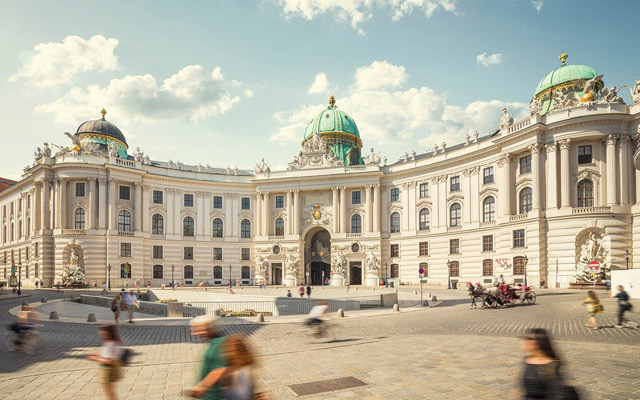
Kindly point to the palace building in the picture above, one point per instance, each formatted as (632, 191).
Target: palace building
(523, 201)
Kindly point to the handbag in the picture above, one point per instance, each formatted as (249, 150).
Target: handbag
(599, 308)
(114, 307)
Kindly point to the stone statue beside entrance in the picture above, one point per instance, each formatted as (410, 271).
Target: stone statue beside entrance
(593, 264)
(338, 264)
(372, 265)
(291, 270)
(261, 269)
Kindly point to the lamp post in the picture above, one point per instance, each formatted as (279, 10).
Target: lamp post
(173, 281)
(109, 276)
(626, 257)
(386, 267)
(12, 278)
(448, 274)
(526, 261)
(229, 276)
(19, 277)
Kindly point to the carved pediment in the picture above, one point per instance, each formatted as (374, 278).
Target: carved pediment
(586, 174)
(316, 154)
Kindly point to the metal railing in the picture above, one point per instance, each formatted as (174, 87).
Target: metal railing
(277, 307)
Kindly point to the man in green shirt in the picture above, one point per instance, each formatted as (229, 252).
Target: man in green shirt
(214, 364)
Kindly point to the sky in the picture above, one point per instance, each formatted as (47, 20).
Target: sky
(227, 83)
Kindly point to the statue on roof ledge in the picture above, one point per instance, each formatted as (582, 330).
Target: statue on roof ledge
(611, 95)
(635, 92)
(261, 167)
(372, 158)
(506, 120)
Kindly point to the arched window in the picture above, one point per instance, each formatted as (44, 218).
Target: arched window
(246, 272)
(585, 193)
(525, 200)
(518, 265)
(218, 226)
(356, 223)
(455, 215)
(279, 227)
(12, 230)
(425, 267)
(188, 272)
(424, 219)
(158, 272)
(489, 209)
(79, 218)
(245, 229)
(395, 222)
(217, 272)
(124, 221)
(157, 224)
(395, 271)
(455, 268)
(188, 227)
(487, 267)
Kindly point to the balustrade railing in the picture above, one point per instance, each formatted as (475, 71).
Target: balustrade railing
(591, 210)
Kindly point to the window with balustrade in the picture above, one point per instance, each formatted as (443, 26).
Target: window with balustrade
(245, 229)
(356, 223)
(394, 222)
(526, 202)
(455, 215)
(157, 224)
(218, 227)
(489, 209)
(424, 219)
(80, 218)
(124, 221)
(279, 227)
(188, 227)
(585, 193)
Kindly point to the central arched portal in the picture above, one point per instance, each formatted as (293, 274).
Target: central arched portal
(317, 256)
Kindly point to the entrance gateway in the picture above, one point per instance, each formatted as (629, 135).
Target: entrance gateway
(317, 257)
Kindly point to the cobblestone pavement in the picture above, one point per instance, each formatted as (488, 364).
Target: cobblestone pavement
(443, 352)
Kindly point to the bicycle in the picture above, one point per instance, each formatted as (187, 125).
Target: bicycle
(29, 342)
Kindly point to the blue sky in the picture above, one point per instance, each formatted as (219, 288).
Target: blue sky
(226, 83)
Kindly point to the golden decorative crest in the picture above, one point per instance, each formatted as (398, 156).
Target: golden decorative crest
(317, 214)
(563, 57)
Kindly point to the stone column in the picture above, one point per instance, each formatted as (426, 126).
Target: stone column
(102, 203)
(57, 208)
(637, 174)
(611, 169)
(504, 188)
(91, 211)
(376, 208)
(44, 205)
(258, 214)
(266, 211)
(296, 212)
(137, 207)
(552, 176)
(624, 169)
(23, 216)
(233, 223)
(112, 204)
(369, 194)
(287, 225)
(565, 186)
(170, 211)
(200, 199)
(475, 193)
(435, 212)
(177, 208)
(145, 208)
(404, 221)
(228, 225)
(443, 215)
(334, 209)
(343, 209)
(207, 227)
(466, 193)
(535, 176)
(36, 211)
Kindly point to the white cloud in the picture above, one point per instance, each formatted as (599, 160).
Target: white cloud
(56, 64)
(537, 4)
(486, 60)
(380, 74)
(248, 93)
(357, 12)
(320, 84)
(402, 117)
(192, 94)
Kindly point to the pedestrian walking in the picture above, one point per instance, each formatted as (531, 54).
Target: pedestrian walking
(623, 305)
(288, 293)
(116, 307)
(593, 307)
(301, 291)
(110, 359)
(37, 283)
(308, 290)
(132, 304)
(542, 377)
(104, 292)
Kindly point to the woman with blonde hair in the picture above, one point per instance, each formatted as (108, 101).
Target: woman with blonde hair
(593, 307)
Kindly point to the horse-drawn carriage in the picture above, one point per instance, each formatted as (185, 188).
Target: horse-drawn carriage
(501, 295)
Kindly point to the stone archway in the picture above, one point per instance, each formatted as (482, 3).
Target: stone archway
(317, 256)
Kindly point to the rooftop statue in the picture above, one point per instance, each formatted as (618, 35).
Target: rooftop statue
(261, 167)
(46, 152)
(506, 120)
(75, 142)
(535, 106)
(635, 91)
(372, 158)
(611, 95)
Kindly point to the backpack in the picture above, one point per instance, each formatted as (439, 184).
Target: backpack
(125, 356)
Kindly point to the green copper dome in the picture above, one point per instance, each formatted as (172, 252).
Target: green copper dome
(566, 73)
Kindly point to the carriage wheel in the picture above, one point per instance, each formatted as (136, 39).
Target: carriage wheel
(531, 298)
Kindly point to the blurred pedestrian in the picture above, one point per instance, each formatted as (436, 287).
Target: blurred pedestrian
(301, 290)
(110, 359)
(542, 378)
(348, 285)
(593, 307)
(116, 307)
(623, 304)
(132, 304)
(214, 364)
(308, 290)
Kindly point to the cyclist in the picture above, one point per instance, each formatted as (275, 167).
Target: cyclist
(315, 318)
(27, 318)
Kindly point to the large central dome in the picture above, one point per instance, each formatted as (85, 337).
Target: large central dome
(339, 131)
(103, 133)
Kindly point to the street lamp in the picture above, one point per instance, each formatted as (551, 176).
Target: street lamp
(173, 281)
(19, 277)
(448, 274)
(386, 267)
(229, 276)
(109, 276)
(626, 257)
(526, 261)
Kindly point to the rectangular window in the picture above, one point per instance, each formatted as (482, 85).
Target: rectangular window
(158, 252)
(217, 253)
(188, 253)
(125, 270)
(356, 197)
(455, 268)
(246, 203)
(158, 199)
(188, 200)
(525, 164)
(395, 250)
(487, 243)
(584, 155)
(487, 268)
(518, 266)
(454, 246)
(454, 183)
(79, 189)
(188, 272)
(424, 248)
(487, 175)
(279, 201)
(424, 190)
(217, 202)
(246, 254)
(157, 272)
(518, 238)
(125, 249)
(395, 194)
(125, 193)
